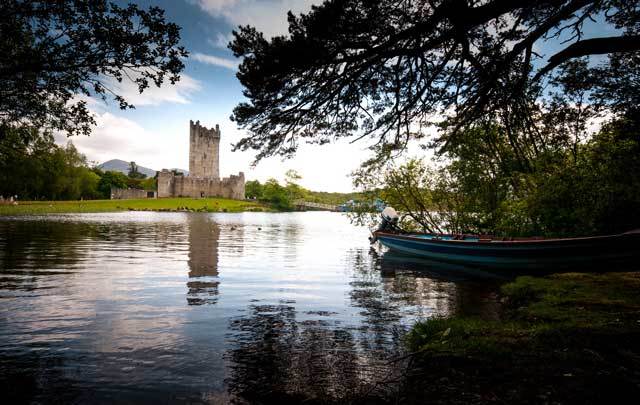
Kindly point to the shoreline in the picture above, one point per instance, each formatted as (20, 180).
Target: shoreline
(562, 338)
(180, 204)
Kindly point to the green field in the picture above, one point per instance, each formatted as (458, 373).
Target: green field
(160, 204)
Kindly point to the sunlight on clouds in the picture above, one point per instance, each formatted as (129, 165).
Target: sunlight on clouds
(116, 137)
(323, 168)
(179, 93)
(221, 40)
(215, 60)
(268, 16)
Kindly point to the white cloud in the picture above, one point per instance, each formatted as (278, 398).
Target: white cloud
(221, 40)
(323, 168)
(215, 60)
(268, 16)
(178, 93)
(116, 137)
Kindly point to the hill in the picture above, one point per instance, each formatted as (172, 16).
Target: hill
(324, 197)
(118, 165)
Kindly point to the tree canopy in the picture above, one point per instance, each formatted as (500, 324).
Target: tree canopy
(40, 169)
(54, 52)
(388, 69)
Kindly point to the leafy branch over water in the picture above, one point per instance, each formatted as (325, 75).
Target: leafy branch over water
(468, 81)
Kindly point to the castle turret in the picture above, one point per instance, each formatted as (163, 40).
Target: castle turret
(204, 151)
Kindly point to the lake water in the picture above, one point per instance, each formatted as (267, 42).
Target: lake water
(186, 307)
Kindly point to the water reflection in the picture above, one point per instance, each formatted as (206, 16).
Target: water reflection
(203, 308)
(278, 358)
(203, 260)
(25, 246)
(281, 355)
(441, 288)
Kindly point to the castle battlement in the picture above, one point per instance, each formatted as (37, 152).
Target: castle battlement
(204, 170)
(195, 129)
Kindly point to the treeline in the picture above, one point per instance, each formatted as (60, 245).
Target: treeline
(278, 196)
(324, 197)
(282, 197)
(33, 167)
(585, 187)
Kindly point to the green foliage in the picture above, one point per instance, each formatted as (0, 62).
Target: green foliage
(459, 335)
(89, 182)
(429, 200)
(34, 167)
(599, 192)
(409, 187)
(134, 173)
(53, 51)
(514, 154)
(324, 197)
(111, 179)
(150, 183)
(253, 189)
(276, 195)
(569, 188)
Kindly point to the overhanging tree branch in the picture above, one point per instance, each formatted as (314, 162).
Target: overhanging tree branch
(593, 46)
(357, 68)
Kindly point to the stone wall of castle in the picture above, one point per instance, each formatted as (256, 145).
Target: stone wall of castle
(131, 193)
(204, 151)
(170, 185)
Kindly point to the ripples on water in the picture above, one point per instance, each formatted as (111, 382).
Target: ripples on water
(208, 307)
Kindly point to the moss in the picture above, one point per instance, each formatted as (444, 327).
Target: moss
(565, 338)
(461, 336)
(536, 309)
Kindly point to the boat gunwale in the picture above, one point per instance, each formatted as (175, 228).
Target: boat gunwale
(487, 240)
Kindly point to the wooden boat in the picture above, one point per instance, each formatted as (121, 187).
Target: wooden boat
(485, 251)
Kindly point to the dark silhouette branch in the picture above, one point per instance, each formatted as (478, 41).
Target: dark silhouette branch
(594, 46)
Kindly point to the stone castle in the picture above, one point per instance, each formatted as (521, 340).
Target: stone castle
(204, 170)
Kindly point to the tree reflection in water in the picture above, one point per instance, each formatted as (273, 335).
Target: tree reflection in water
(276, 357)
(27, 246)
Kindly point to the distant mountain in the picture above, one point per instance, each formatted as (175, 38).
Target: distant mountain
(117, 165)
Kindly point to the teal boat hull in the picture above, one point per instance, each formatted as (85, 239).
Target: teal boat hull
(516, 254)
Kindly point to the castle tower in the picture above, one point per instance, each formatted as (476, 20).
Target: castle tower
(204, 151)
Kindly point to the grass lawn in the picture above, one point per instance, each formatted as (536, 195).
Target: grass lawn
(566, 338)
(160, 204)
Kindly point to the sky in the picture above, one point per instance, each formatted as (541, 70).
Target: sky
(156, 133)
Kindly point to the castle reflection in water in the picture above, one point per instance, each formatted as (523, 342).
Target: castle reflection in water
(203, 281)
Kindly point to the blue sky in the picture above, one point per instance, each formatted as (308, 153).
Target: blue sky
(155, 134)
